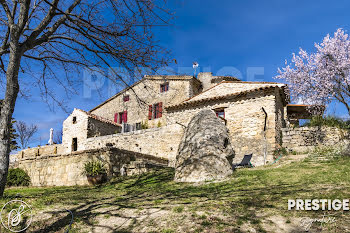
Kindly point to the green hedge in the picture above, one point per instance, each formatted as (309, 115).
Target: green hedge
(330, 121)
(17, 177)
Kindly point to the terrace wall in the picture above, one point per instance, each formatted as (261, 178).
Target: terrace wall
(304, 139)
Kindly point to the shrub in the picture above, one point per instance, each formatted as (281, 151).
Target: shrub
(17, 177)
(330, 121)
(93, 168)
(279, 151)
(144, 125)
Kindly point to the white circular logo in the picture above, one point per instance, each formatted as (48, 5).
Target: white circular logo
(16, 216)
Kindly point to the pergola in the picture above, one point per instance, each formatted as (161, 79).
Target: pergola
(295, 112)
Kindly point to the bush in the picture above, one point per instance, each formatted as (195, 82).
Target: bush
(93, 168)
(330, 121)
(144, 125)
(278, 152)
(17, 177)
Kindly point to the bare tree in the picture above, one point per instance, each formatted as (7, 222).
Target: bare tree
(46, 36)
(57, 138)
(25, 133)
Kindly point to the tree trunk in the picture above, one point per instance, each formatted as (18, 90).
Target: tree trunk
(8, 106)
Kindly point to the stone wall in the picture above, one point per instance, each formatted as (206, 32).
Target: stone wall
(97, 128)
(55, 149)
(160, 142)
(304, 139)
(66, 169)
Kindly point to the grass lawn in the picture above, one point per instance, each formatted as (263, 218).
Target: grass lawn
(251, 200)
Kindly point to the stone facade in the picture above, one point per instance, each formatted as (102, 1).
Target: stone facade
(146, 93)
(245, 120)
(304, 139)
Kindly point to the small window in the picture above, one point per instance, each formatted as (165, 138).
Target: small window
(126, 98)
(164, 87)
(74, 144)
(74, 120)
(220, 113)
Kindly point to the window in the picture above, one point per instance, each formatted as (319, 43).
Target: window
(74, 120)
(123, 117)
(155, 111)
(74, 144)
(138, 126)
(220, 113)
(164, 87)
(126, 98)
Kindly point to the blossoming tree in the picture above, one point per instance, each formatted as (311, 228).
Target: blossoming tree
(322, 77)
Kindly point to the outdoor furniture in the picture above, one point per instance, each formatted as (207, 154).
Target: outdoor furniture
(245, 162)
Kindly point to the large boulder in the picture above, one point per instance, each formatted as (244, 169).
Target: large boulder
(205, 152)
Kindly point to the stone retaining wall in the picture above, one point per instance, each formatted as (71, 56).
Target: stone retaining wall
(304, 139)
(66, 169)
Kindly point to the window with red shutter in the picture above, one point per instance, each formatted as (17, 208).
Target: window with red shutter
(160, 109)
(150, 112)
(125, 116)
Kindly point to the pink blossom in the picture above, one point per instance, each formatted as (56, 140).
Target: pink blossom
(321, 77)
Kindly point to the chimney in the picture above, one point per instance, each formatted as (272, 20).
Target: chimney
(205, 78)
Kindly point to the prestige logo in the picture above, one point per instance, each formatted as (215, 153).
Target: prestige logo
(16, 216)
(318, 204)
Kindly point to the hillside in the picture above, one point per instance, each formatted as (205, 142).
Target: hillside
(252, 200)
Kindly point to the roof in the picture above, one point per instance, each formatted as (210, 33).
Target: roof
(225, 78)
(230, 87)
(149, 77)
(189, 103)
(98, 118)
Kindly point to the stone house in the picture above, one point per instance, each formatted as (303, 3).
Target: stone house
(148, 120)
(254, 113)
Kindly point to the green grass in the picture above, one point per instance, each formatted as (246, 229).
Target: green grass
(224, 206)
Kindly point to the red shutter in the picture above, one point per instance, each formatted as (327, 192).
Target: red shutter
(116, 117)
(125, 116)
(150, 112)
(160, 109)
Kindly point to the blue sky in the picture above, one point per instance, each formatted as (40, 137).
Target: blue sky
(220, 35)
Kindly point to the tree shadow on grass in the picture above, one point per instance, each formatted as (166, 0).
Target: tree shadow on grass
(239, 200)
